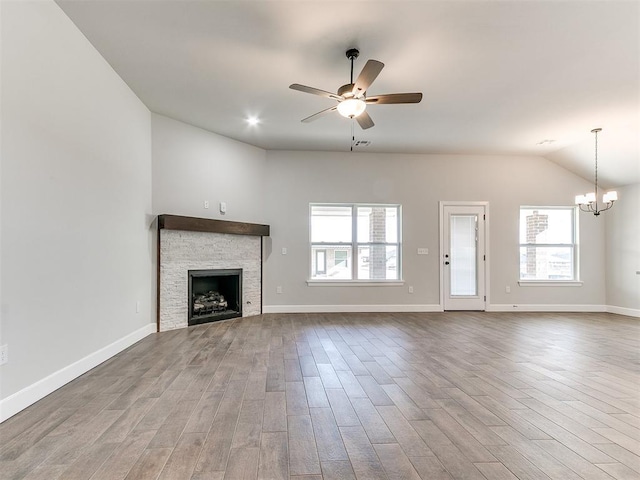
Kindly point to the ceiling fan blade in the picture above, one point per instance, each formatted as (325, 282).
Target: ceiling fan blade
(314, 91)
(322, 113)
(368, 74)
(395, 98)
(364, 120)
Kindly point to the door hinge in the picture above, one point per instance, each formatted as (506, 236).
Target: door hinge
(484, 257)
(485, 298)
(484, 217)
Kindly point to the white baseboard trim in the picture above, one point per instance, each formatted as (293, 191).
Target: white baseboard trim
(349, 308)
(29, 395)
(631, 312)
(497, 307)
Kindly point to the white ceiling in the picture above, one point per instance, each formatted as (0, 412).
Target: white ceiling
(497, 77)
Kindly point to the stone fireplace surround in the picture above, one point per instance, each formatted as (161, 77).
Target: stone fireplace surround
(189, 243)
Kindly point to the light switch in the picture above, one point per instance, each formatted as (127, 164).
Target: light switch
(223, 207)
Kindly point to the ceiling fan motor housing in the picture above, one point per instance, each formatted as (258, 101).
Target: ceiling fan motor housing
(346, 91)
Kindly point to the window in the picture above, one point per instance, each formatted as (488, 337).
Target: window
(370, 233)
(548, 245)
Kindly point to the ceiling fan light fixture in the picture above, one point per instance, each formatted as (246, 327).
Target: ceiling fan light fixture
(351, 107)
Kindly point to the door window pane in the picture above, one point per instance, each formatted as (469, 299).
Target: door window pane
(463, 262)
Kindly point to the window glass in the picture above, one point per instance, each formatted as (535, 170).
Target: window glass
(377, 231)
(331, 223)
(548, 243)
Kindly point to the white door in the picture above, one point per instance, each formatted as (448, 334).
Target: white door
(463, 257)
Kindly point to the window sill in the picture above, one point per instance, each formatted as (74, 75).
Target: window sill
(549, 283)
(355, 283)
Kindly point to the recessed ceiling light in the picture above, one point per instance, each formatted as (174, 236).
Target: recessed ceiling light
(253, 121)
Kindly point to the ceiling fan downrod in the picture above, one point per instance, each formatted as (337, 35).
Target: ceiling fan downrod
(352, 54)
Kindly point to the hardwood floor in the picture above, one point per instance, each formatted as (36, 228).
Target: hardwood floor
(349, 396)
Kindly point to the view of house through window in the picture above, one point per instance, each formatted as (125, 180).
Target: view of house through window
(548, 243)
(370, 233)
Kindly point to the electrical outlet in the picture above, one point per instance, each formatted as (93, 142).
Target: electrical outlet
(410, 288)
(507, 289)
(284, 250)
(4, 354)
(206, 204)
(278, 289)
(423, 251)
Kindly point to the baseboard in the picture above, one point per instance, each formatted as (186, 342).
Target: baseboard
(27, 396)
(349, 308)
(497, 307)
(631, 312)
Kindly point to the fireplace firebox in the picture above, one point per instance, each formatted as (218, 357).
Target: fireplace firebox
(214, 295)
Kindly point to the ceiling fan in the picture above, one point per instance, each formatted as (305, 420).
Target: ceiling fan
(352, 99)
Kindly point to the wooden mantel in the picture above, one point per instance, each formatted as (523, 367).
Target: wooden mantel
(194, 224)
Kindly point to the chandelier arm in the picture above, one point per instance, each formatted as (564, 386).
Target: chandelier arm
(608, 206)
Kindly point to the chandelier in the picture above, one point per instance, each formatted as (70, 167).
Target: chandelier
(589, 201)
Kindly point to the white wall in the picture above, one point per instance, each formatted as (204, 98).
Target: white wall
(419, 182)
(623, 252)
(191, 165)
(76, 204)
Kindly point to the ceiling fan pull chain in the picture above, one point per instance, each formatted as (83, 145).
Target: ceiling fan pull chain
(353, 137)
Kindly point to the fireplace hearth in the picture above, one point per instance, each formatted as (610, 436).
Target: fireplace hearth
(214, 295)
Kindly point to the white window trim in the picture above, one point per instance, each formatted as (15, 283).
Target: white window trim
(575, 282)
(354, 247)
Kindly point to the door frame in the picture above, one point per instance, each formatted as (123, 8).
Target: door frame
(487, 262)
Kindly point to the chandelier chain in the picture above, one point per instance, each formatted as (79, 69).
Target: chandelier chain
(596, 172)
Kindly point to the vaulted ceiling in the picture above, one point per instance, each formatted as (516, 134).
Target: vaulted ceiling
(498, 77)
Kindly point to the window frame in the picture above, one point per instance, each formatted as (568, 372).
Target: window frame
(575, 281)
(355, 245)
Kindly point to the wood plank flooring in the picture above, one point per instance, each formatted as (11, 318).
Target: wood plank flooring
(349, 396)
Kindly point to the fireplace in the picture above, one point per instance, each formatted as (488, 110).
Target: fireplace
(214, 295)
(199, 245)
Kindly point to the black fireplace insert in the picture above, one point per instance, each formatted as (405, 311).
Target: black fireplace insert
(214, 295)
